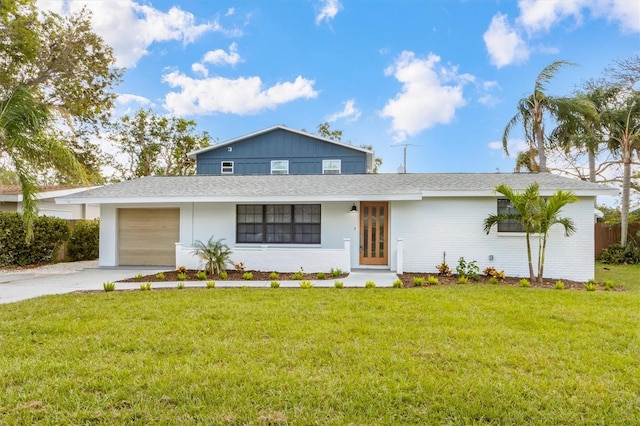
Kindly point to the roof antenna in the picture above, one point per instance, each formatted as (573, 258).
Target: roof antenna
(404, 145)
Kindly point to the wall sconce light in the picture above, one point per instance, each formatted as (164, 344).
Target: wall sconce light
(354, 208)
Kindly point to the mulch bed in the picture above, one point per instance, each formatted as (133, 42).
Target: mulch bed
(232, 275)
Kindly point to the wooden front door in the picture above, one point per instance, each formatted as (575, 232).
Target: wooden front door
(374, 232)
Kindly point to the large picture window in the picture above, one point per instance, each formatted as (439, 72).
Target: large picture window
(509, 225)
(278, 223)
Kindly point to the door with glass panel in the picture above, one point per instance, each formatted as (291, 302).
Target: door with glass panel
(374, 232)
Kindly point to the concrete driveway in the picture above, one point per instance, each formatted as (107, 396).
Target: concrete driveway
(16, 285)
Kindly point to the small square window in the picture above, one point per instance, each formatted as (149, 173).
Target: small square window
(279, 167)
(227, 167)
(331, 167)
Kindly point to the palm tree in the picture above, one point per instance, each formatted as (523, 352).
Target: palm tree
(536, 215)
(214, 253)
(524, 204)
(531, 112)
(23, 139)
(547, 215)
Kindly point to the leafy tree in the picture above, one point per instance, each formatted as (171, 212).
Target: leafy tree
(325, 131)
(532, 110)
(536, 215)
(156, 145)
(215, 254)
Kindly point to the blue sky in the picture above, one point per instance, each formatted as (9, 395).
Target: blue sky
(442, 77)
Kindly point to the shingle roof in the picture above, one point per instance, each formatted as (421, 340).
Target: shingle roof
(327, 187)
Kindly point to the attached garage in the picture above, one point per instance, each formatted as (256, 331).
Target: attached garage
(148, 236)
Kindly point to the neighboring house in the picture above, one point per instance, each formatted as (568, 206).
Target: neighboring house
(11, 201)
(350, 219)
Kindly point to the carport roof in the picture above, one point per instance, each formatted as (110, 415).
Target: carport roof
(300, 188)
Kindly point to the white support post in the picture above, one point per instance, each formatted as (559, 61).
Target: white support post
(347, 254)
(400, 256)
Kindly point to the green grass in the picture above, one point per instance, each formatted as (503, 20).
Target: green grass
(627, 276)
(444, 355)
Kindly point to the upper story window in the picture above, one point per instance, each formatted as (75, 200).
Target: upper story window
(509, 225)
(279, 167)
(331, 167)
(226, 167)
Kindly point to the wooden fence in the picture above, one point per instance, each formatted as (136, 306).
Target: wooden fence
(606, 235)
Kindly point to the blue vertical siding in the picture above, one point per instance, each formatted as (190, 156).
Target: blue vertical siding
(305, 154)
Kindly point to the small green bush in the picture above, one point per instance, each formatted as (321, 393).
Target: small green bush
(370, 284)
(182, 276)
(397, 283)
(493, 280)
(84, 241)
(609, 285)
(109, 286)
(524, 283)
(469, 270)
(138, 276)
(462, 279)
(297, 276)
(306, 284)
(274, 276)
(443, 269)
(321, 275)
(223, 275)
(247, 276)
(419, 281)
(180, 285)
(335, 273)
(201, 275)
(431, 280)
(621, 255)
(211, 284)
(145, 286)
(275, 284)
(559, 285)
(591, 285)
(160, 276)
(338, 284)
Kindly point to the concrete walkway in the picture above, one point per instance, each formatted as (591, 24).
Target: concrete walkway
(87, 276)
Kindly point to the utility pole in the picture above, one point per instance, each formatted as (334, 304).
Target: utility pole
(404, 146)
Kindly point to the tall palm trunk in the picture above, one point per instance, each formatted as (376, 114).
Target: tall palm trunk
(539, 136)
(626, 189)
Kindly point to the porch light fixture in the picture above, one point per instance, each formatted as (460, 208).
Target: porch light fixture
(354, 208)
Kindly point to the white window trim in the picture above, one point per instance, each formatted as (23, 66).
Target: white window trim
(326, 163)
(280, 162)
(222, 167)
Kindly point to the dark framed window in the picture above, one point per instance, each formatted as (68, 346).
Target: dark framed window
(226, 167)
(509, 225)
(278, 223)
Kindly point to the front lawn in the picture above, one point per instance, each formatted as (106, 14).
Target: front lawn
(442, 355)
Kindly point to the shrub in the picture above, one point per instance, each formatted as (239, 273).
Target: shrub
(621, 255)
(48, 235)
(275, 284)
(182, 269)
(418, 281)
(138, 276)
(214, 253)
(338, 284)
(493, 280)
(491, 271)
(322, 275)
(335, 273)
(223, 275)
(239, 266)
(462, 279)
(84, 241)
(591, 285)
(211, 284)
(247, 276)
(109, 286)
(468, 269)
(306, 284)
(145, 286)
(160, 276)
(297, 276)
(182, 276)
(443, 269)
(524, 283)
(431, 280)
(180, 285)
(273, 276)
(201, 275)
(609, 285)
(559, 285)
(370, 284)
(397, 283)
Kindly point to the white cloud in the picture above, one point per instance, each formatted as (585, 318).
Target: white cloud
(241, 96)
(426, 100)
(127, 98)
(625, 12)
(504, 44)
(199, 68)
(514, 145)
(350, 112)
(220, 57)
(328, 10)
(131, 27)
(536, 16)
